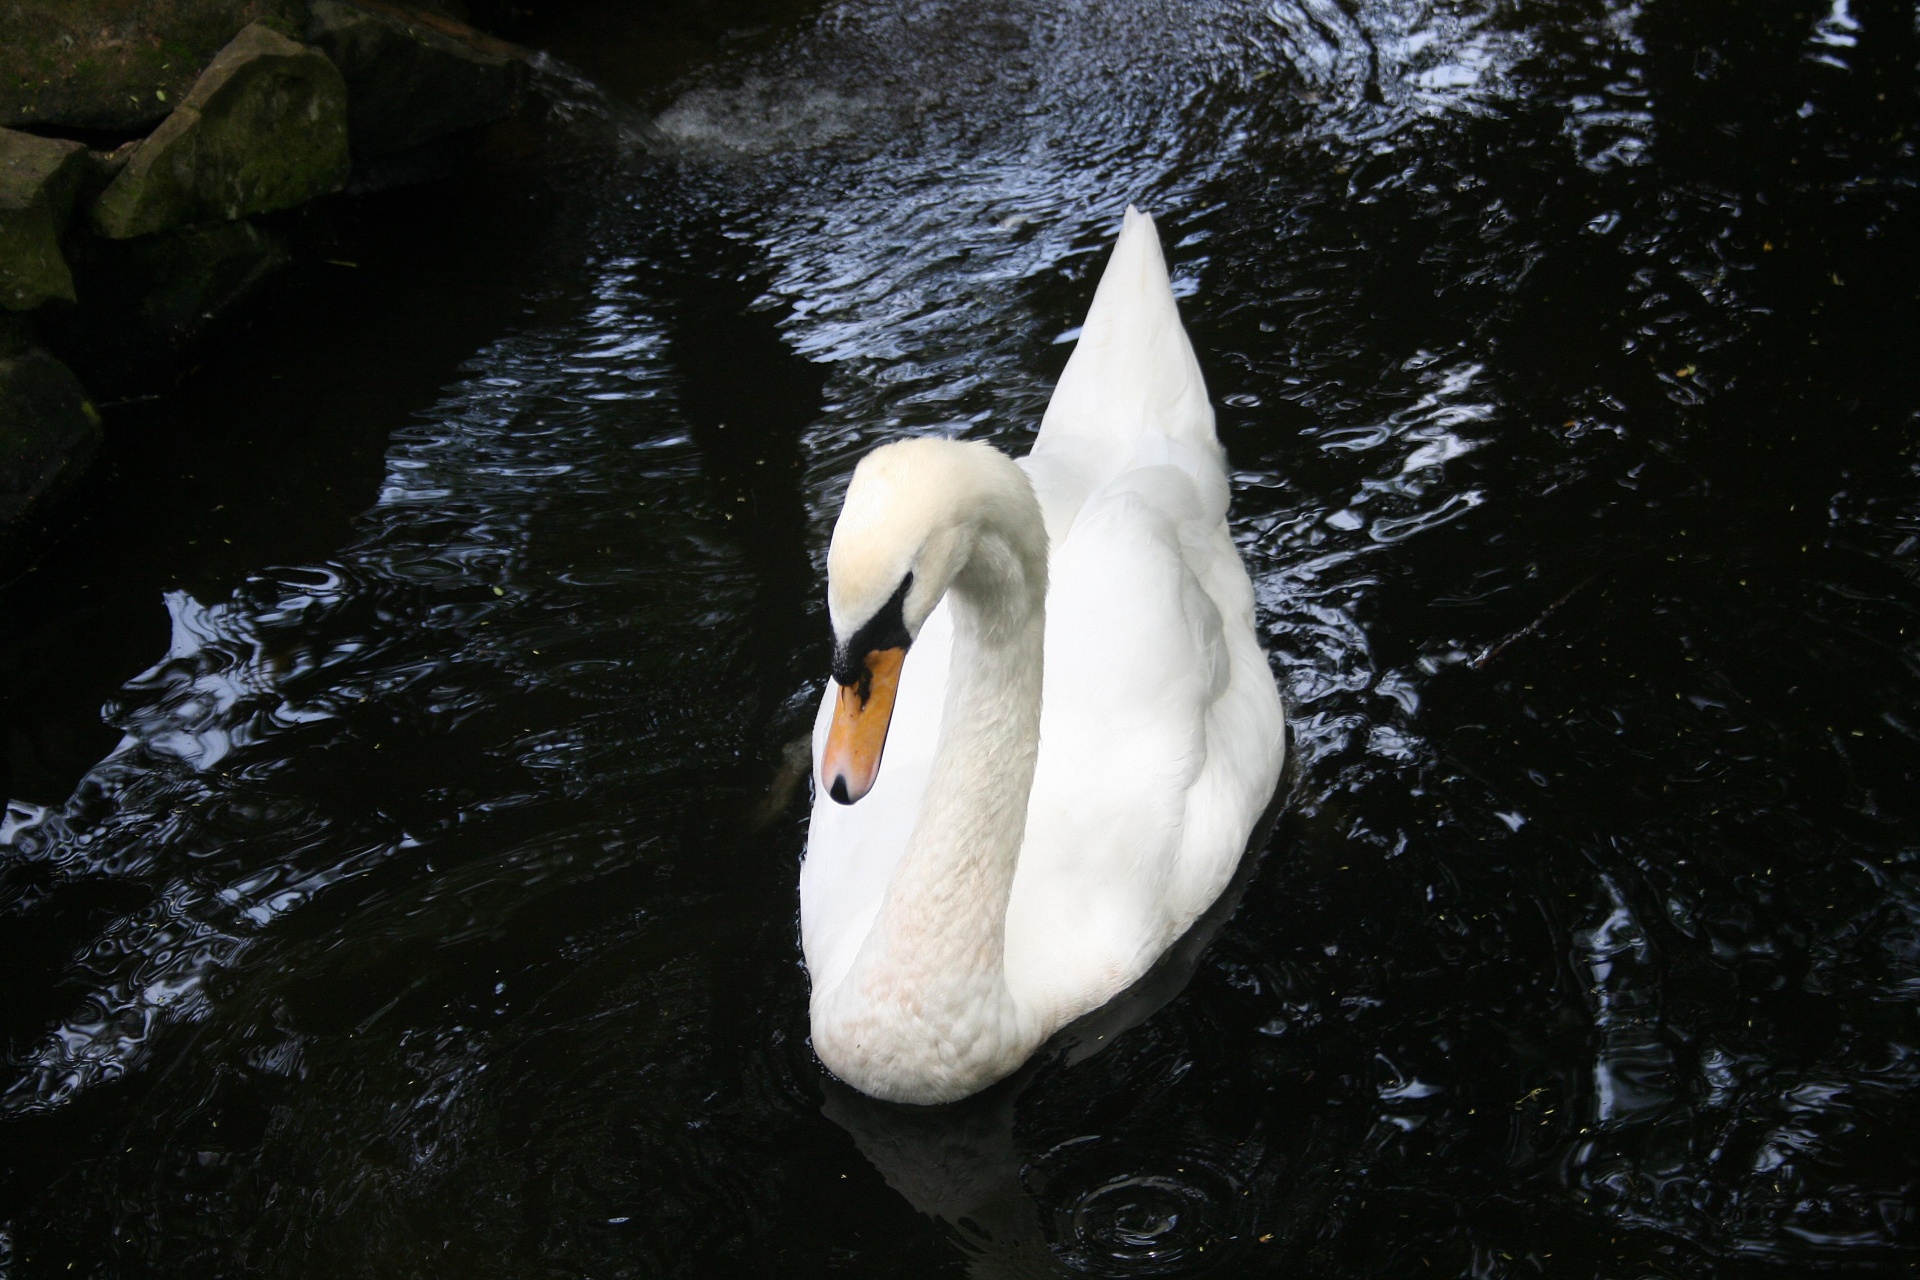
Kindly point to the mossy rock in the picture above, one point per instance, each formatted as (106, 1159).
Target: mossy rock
(49, 434)
(264, 128)
(413, 75)
(111, 65)
(38, 180)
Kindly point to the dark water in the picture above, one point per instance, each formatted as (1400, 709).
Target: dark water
(412, 908)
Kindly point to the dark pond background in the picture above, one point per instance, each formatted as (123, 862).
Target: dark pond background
(388, 883)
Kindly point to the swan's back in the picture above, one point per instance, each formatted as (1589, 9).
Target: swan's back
(1161, 731)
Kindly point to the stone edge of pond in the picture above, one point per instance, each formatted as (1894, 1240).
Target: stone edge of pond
(139, 150)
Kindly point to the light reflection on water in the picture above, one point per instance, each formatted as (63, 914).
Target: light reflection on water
(419, 923)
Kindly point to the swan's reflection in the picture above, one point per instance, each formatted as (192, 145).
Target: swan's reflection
(1093, 1205)
(958, 1164)
(1086, 1205)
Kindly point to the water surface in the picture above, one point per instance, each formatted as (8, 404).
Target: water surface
(415, 905)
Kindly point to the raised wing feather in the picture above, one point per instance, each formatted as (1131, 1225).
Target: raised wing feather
(1132, 395)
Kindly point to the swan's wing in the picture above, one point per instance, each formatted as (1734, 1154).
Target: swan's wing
(1131, 395)
(1160, 742)
(1160, 729)
(852, 849)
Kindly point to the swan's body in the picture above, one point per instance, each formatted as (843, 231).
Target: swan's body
(1083, 737)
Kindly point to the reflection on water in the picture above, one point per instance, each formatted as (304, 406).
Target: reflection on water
(421, 922)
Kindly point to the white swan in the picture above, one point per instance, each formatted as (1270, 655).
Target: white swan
(1032, 844)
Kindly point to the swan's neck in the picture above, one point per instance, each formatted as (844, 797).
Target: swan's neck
(946, 908)
(925, 1012)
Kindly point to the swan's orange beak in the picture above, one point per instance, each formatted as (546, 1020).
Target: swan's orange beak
(851, 761)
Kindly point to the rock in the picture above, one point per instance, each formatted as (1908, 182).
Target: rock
(49, 433)
(143, 300)
(412, 75)
(264, 128)
(199, 275)
(38, 180)
(111, 65)
(16, 332)
(102, 168)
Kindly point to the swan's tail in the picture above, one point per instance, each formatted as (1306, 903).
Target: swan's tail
(1132, 391)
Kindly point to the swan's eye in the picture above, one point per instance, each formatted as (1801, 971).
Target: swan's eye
(887, 629)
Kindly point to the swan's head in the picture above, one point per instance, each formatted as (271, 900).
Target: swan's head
(919, 515)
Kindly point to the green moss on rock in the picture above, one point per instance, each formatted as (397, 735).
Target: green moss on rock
(264, 128)
(114, 65)
(38, 179)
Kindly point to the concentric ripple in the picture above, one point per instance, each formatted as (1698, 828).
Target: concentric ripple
(1146, 1224)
